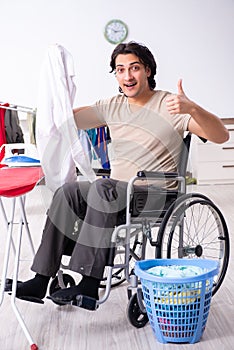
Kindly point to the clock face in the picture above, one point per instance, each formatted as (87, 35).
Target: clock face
(116, 31)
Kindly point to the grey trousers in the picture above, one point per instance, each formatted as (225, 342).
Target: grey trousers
(95, 207)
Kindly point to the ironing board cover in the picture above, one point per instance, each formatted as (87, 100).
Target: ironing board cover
(18, 181)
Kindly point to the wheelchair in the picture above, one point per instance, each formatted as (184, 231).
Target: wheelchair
(183, 225)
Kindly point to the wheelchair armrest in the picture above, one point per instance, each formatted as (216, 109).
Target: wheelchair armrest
(157, 174)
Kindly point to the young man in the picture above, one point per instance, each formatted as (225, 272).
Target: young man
(146, 127)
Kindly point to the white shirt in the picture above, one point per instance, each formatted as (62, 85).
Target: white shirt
(59, 147)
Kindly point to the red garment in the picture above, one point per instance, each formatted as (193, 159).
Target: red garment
(2, 129)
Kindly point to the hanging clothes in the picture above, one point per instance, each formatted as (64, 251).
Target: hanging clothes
(85, 143)
(101, 148)
(2, 130)
(31, 119)
(14, 133)
(99, 140)
(59, 147)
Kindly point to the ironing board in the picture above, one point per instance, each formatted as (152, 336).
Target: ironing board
(15, 183)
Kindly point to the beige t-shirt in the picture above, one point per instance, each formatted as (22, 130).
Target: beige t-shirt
(142, 138)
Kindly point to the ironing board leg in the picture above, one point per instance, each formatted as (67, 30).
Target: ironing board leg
(22, 222)
(6, 221)
(7, 247)
(25, 222)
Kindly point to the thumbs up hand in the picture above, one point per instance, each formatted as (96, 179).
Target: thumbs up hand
(179, 103)
(180, 88)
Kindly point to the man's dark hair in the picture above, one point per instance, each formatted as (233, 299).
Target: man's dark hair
(144, 55)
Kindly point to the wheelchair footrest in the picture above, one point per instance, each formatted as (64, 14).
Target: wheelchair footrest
(85, 302)
(32, 299)
(9, 283)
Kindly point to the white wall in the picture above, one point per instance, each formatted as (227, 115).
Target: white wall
(192, 39)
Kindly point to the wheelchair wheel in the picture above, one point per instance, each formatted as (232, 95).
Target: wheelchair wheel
(195, 228)
(137, 252)
(68, 281)
(135, 316)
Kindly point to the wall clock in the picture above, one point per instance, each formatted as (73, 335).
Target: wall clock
(116, 31)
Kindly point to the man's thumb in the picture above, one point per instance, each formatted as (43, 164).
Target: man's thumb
(179, 87)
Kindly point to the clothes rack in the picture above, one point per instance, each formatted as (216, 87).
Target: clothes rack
(31, 120)
(18, 108)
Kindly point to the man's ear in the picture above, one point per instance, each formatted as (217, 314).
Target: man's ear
(148, 71)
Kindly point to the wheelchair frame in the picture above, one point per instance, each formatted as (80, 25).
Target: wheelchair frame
(175, 215)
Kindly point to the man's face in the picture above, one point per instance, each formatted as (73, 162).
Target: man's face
(132, 75)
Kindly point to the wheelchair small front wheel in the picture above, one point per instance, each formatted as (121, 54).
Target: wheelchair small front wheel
(68, 281)
(135, 316)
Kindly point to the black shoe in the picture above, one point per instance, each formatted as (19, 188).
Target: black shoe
(65, 295)
(73, 296)
(33, 290)
(8, 288)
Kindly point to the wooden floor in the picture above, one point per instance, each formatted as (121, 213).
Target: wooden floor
(53, 327)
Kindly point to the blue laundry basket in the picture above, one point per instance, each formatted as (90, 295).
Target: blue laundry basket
(177, 308)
